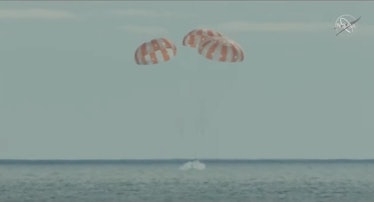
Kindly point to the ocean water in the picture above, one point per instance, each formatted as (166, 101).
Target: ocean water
(156, 181)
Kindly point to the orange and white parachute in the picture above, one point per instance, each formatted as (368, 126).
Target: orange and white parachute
(221, 49)
(197, 36)
(155, 51)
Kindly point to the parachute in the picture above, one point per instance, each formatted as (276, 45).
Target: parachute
(221, 49)
(154, 51)
(197, 36)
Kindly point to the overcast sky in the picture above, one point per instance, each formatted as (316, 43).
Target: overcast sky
(70, 88)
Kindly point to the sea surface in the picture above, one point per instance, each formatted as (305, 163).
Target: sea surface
(163, 180)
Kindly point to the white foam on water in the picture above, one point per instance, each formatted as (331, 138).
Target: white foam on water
(195, 164)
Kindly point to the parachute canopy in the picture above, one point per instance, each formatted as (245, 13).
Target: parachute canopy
(221, 49)
(197, 36)
(154, 51)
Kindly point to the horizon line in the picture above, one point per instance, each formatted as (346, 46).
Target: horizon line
(183, 159)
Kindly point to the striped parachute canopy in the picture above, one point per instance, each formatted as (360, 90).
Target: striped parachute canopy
(197, 36)
(221, 49)
(155, 51)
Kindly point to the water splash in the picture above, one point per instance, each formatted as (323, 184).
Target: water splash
(195, 164)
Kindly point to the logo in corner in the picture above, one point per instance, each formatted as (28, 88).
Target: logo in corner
(345, 23)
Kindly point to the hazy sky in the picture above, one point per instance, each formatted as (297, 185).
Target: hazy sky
(70, 88)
